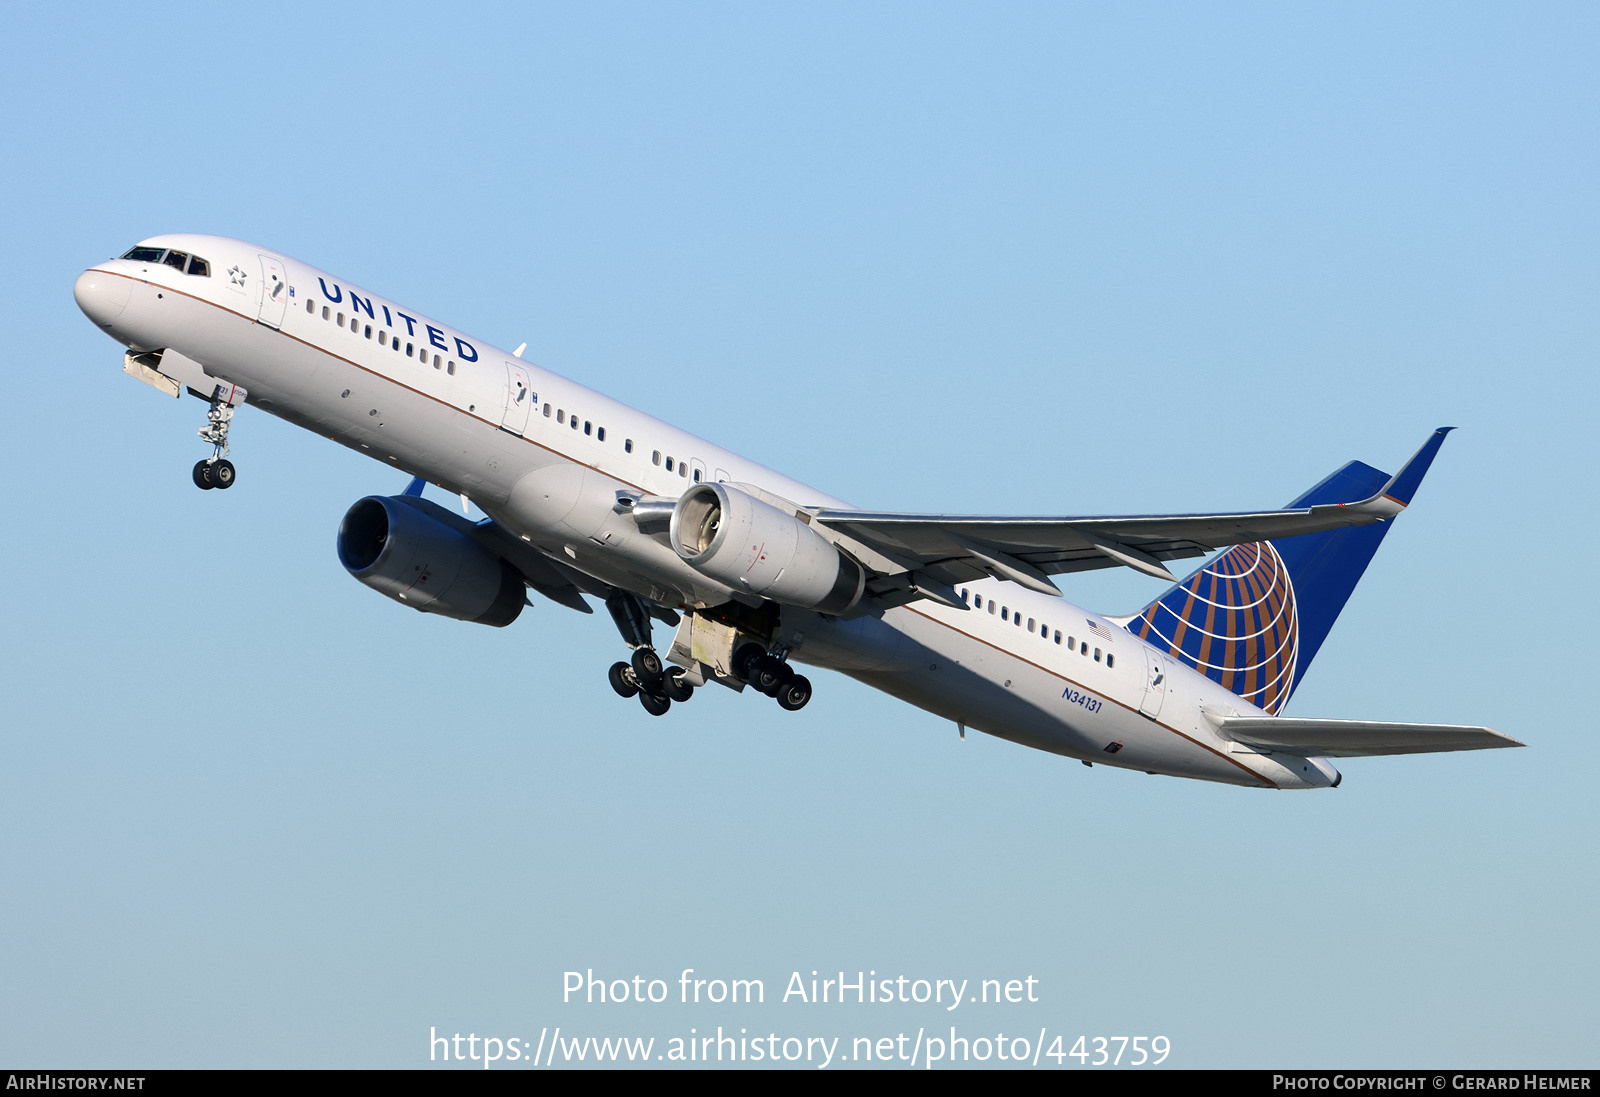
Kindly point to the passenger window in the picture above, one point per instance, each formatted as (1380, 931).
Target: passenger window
(669, 464)
(410, 350)
(339, 319)
(1108, 659)
(383, 339)
(1058, 636)
(450, 367)
(1005, 613)
(977, 601)
(627, 445)
(1072, 642)
(367, 331)
(1097, 655)
(991, 605)
(199, 266)
(1084, 648)
(547, 411)
(1044, 631)
(561, 417)
(311, 307)
(697, 476)
(176, 260)
(587, 427)
(1030, 624)
(683, 469)
(574, 422)
(324, 312)
(600, 434)
(655, 457)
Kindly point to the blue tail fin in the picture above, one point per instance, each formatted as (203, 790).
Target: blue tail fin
(1254, 618)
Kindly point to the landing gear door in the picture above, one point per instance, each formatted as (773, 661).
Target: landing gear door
(274, 292)
(520, 399)
(1155, 683)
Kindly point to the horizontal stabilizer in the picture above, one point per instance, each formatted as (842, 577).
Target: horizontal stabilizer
(1355, 738)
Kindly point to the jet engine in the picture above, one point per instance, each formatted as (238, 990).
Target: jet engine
(425, 557)
(752, 546)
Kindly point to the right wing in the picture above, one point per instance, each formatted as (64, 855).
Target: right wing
(935, 552)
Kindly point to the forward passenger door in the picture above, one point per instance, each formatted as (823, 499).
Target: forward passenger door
(274, 292)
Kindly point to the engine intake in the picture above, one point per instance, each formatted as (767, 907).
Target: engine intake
(752, 546)
(423, 556)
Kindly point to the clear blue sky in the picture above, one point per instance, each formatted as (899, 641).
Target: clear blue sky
(1008, 258)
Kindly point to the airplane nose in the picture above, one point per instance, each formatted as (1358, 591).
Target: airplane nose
(101, 296)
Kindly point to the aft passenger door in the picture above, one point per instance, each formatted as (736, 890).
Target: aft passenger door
(520, 399)
(274, 292)
(1155, 683)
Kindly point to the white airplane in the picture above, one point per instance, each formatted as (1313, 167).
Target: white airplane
(588, 497)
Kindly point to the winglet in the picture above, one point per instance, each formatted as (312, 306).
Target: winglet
(1404, 484)
(414, 489)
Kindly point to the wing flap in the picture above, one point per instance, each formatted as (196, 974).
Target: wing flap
(560, 584)
(1356, 738)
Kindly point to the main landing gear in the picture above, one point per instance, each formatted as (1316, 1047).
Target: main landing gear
(644, 675)
(768, 673)
(657, 685)
(217, 471)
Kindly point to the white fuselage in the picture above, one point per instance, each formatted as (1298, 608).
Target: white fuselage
(545, 457)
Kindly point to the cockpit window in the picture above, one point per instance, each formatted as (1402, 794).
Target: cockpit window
(180, 261)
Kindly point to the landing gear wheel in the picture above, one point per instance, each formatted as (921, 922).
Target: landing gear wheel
(647, 667)
(770, 675)
(622, 680)
(222, 474)
(675, 687)
(202, 476)
(795, 693)
(744, 661)
(655, 704)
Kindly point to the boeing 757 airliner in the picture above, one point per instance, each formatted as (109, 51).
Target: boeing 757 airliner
(589, 498)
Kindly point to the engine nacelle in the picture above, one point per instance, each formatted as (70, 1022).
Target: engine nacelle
(423, 556)
(752, 546)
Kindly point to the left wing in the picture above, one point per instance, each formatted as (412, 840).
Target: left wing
(943, 550)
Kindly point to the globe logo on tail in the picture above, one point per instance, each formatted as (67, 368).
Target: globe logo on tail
(1235, 621)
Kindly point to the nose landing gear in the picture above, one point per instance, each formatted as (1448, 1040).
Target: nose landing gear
(217, 471)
